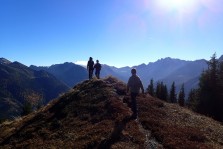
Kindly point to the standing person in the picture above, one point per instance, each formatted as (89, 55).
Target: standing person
(97, 67)
(90, 67)
(134, 85)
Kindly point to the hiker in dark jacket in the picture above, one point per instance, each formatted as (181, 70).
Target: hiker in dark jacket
(90, 67)
(134, 85)
(97, 67)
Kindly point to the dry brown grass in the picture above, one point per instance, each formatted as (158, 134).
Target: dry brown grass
(93, 115)
(177, 127)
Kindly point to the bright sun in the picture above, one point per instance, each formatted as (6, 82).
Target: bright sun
(176, 4)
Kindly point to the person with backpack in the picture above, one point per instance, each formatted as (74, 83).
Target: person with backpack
(134, 85)
(97, 68)
(90, 67)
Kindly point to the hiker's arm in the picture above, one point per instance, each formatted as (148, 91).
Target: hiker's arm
(127, 89)
(141, 86)
(87, 66)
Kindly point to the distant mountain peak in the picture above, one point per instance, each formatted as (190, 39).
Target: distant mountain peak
(141, 65)
(4, 61)
(170, 59)
(221, 58)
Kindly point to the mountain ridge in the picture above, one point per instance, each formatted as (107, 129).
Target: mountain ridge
(167, 70)
(68, 72)
(96, 114)
(20, 84)
(4, 61)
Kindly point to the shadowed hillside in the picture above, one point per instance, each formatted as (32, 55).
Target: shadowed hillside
(20, 84)
(96, 114)
(69, 73)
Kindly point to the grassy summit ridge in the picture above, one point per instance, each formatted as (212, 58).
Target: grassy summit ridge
(96, 114)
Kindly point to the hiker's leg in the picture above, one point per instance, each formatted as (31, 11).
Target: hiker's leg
(99, 74)
(90, 74)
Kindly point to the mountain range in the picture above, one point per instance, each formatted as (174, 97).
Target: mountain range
(69, 73)
(20, 84)
(168, 70)
(96, 114)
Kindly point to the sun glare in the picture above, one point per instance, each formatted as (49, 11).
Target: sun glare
(176, 4)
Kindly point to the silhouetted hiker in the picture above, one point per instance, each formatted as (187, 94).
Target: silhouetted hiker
(134, 85)
(90, 67)
(97, 67)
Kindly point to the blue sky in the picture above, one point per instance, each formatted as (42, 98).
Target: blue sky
(117, 32)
